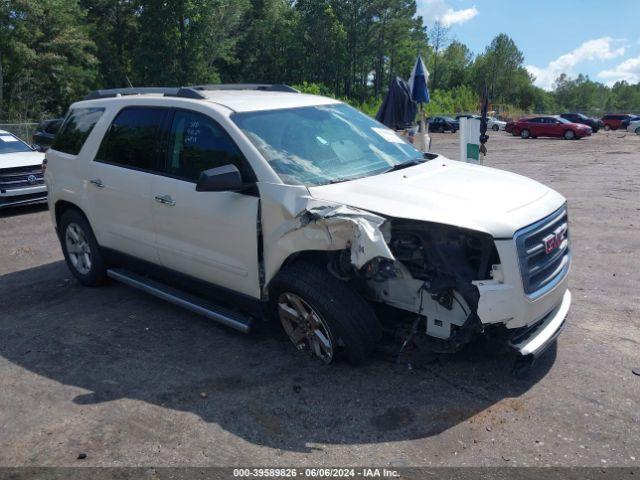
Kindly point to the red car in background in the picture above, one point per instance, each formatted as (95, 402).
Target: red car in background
(612, 121)
(548, 126)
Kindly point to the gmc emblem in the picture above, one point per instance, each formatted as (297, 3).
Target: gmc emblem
(555, 239)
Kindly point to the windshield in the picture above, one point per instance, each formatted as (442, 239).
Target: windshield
(324, 144)
(11, 144)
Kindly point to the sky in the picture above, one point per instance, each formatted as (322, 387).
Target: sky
(599, 38)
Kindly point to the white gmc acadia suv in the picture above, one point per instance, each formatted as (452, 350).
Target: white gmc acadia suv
(241, 202)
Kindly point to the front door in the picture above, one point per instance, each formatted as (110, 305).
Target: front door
(211, 236)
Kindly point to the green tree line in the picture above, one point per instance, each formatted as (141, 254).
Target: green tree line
(52, 52)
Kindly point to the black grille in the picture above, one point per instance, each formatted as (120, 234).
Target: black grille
(20, 177)
(20, 199)
(543, 251)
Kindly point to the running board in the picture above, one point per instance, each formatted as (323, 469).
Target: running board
(182, 299)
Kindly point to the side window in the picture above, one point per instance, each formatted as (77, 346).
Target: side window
(75, 129)
(198, 143)
(132, 139)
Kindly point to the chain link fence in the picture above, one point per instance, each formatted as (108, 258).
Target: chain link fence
(23, 131)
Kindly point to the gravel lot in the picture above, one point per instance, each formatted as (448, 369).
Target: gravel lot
(131, 380)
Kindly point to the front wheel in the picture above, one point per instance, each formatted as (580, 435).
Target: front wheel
(569, 135)
(81, 250)
(607, 127)
(638, 131)
(495, 128)
(525, 134)
(322, 315)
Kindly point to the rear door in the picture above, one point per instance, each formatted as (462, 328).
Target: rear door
(211, 236)
(120, 179)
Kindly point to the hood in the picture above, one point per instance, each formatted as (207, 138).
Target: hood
(20, 159)
(452, 193)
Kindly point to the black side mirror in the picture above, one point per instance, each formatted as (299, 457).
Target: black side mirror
(226, 178)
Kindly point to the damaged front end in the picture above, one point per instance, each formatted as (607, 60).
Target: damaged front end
(435, 266)
(428, 273)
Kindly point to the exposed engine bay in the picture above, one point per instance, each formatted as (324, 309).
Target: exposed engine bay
(432, 277)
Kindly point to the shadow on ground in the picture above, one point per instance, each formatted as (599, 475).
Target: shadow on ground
(22, 210)
(118, 343)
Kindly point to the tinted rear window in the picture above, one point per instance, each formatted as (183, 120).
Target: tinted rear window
(132, 139)
(75, 129)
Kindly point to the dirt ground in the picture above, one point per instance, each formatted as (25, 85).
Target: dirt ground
(131, 380)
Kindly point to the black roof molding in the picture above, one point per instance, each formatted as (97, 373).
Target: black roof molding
(188, 92)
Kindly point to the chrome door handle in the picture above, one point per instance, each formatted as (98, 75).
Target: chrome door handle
(165, 200)
(97, 182)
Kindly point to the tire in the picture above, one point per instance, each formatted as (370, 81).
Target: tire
(607, 127)
(454, 130)
(569, 135)
(352, 326)
(81, 250)
(525, 133)
(637, 131)
(495, 128)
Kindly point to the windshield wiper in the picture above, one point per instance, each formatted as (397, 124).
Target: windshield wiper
(340, 180)
(407, 164)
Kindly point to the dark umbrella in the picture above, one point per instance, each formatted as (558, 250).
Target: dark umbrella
(418, 82)
(419, 89)
(397, 111)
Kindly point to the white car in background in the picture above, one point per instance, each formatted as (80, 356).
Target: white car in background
(495, 124)
(21, 178)
(634, 127)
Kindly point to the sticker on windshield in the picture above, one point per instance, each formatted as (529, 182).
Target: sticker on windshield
(8, 138)
(388, 135)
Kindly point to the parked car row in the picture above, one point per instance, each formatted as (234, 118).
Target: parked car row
(571, 125)
(449, 124)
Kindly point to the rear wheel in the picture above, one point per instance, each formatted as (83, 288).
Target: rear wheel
(524, 133)
(81, 250)
(495, 128)
(638, 131)
(569, 135)
(323, 315)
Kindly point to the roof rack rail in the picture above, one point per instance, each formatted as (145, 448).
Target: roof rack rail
(116, 92)
(267, 87)
(188, 92)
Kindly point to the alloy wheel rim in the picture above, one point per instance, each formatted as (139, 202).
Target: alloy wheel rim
(305, 326)
(78, 248)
